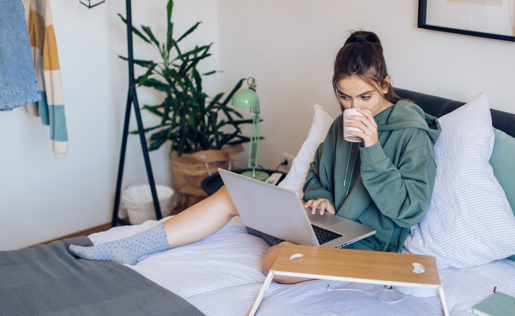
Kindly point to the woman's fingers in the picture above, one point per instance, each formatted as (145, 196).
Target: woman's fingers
(367, 126)
(321, 205)
(326, 206)
(315, 206)
(311, 203)
(330, 208)
(369, 116)
(362, 122)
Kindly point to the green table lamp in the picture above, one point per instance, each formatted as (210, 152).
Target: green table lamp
(248, 98)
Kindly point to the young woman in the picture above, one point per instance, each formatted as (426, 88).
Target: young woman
(384, 182)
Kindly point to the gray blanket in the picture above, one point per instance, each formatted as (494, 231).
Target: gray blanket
(48, 280)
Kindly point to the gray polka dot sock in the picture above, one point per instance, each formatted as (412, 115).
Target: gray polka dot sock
(126, 250)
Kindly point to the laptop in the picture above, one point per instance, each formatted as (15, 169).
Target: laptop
(279, 212)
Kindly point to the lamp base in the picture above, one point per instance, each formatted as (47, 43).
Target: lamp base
(258, 175)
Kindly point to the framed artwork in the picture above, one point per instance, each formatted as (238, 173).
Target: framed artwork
(484, 18)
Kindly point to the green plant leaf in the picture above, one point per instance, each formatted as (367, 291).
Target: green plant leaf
(146, 130)
(188, 62)
(152, 107)
(143, 78)
(172, 73)
(194, 62)
(215, 100)
(236, 88)
(188, 32)
(156, 84)
(155, 145)
(240, 141)
(193, 125)
(236, 122)
(188, 84)
(198, 80)
(227, 111)
(209, 73)
(135, 30)
(180, 146)
(181, 72)
(147, 30)
(223, 141)
(169, 103)
(236, 127)
(194, 51)
(169, 10)
(153, 110)
(160, 135)
(164, 52)
(169, 29)
(218, 106)
(177, 48)
(139, 62)
(213, 119)
(170, 42)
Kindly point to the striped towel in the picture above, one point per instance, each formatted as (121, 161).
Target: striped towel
(46, 62)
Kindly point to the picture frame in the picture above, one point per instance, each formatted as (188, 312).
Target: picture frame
(481, 18)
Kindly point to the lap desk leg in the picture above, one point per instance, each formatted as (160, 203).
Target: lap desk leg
(374, 267)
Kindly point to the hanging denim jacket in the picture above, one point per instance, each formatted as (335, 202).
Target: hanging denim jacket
(18, 80)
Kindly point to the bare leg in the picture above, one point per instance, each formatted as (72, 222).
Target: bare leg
(200, 220)
(268, 261)
(195, 223)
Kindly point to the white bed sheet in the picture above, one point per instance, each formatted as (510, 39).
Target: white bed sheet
(221, 275)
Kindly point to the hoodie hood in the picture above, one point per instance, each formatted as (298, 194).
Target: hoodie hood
(405, 114)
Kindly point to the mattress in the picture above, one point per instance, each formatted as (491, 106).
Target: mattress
(221, 275)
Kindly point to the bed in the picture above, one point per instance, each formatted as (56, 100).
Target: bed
(221, 274)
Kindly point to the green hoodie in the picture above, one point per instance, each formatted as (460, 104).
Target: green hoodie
(386, 186)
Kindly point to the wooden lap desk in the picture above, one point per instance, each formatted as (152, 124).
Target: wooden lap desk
(374, 267)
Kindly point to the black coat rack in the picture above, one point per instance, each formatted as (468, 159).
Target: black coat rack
(132, 99)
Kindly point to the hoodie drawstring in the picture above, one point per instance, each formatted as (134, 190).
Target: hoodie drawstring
(347, 169)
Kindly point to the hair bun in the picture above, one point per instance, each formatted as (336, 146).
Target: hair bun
(363, 36)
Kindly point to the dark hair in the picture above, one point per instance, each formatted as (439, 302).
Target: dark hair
(362, 56)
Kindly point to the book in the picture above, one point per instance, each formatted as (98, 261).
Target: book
(497, 304)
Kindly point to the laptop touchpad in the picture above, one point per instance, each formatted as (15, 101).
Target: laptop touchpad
(325, 220)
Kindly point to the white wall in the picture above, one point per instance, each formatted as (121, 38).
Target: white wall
(43, 198)
(289, 47)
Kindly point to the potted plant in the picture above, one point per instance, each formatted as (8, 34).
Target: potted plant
(204, 131)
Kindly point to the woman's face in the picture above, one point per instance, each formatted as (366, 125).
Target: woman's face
(354, 92)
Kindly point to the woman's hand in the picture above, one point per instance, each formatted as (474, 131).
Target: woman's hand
(321, 205)
(367, 125)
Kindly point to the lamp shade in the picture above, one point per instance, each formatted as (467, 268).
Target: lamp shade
(245, 98)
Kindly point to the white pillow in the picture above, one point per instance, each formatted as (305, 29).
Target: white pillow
(469, 221)
(296, 177)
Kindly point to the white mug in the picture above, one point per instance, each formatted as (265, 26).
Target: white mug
(346, 136)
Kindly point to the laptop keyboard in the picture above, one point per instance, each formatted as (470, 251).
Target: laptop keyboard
(324, 235)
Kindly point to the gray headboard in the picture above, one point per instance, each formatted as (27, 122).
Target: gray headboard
(437, 106)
